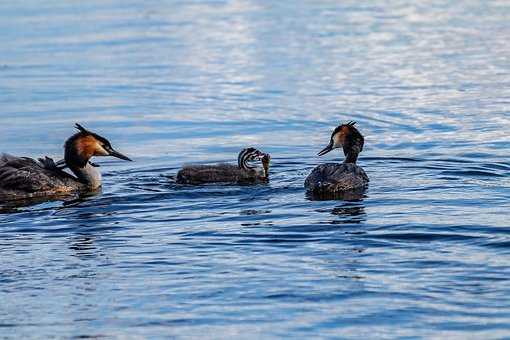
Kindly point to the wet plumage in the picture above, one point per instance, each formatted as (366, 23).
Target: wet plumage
(22, 177)
(334, 177)
(340, 177)
(244, 173)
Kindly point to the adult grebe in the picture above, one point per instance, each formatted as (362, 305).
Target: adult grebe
(245, 172)
(23, 178)
(336, 177)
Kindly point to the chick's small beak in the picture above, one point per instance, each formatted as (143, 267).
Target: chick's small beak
(326, 149)
(114, 153)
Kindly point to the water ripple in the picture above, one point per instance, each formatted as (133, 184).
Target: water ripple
(422, 253)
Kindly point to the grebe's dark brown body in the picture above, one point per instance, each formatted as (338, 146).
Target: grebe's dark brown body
(340, 177)
(243, 173)
(24, 178)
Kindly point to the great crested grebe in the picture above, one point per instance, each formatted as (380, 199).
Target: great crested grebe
(336, 177)
(245, 171)
(24, 178)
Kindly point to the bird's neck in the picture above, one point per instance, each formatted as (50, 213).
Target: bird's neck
(88, 175)
(351, 157)
(245, 166)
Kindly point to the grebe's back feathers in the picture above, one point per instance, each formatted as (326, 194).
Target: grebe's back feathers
(22, 177)
(335, 177)
(218, 173)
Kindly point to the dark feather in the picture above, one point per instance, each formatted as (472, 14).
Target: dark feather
(81, 128)
(220, 173)
(22, 177)
(333, 177)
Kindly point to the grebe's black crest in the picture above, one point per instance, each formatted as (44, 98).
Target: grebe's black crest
(85, 132)
(81, 128)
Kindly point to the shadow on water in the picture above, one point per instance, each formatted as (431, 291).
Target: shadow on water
(83, 246)
(350, 213)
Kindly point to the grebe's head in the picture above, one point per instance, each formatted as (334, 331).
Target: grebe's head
(249, 156)
(85, 144)
(347, 137)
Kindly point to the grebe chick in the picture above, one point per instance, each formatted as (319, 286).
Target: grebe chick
(24, 178)
(245, 172)
(340, 177)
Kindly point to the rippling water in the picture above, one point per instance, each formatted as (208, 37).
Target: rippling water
(425, 252)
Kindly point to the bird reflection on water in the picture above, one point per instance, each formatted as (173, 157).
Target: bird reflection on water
(84, 247)
(67, 199)
(351, 212)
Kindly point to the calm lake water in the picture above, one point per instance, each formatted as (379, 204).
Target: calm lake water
(425, 253)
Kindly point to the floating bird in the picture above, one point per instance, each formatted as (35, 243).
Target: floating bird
(25, 178)
(331, 178)
(245, 172)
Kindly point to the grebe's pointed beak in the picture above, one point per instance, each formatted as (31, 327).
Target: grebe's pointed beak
(114, 153)
(326, 149)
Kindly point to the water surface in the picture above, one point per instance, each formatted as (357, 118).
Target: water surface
(424, 253)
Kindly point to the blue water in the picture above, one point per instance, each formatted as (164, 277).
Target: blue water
(426, 252)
